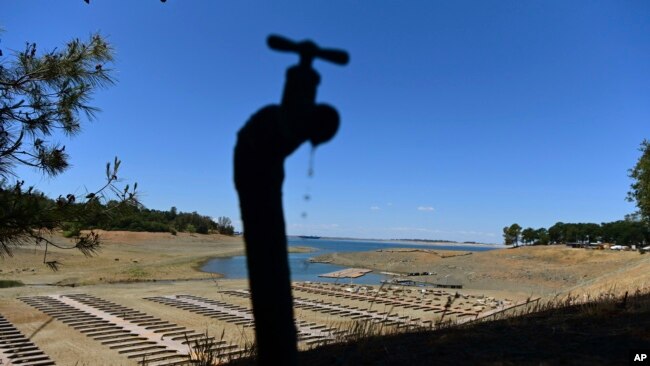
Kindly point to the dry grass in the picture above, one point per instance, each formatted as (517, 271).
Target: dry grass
(124, 257)
(543, 270)
(569, 318)
(568, 330)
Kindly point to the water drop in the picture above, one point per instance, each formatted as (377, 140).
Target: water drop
(310, 171)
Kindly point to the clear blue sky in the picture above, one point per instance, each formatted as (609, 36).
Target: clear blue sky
(458, 117)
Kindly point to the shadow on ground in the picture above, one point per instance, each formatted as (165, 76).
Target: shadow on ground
(597, 333)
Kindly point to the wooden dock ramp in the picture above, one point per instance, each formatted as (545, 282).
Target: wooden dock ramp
(347, 273)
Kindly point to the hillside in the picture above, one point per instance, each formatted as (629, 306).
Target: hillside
(540, 270)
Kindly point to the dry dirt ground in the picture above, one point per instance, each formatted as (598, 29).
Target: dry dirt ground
(601, 333)
(125, 256)
(132, 266)
(545, 271)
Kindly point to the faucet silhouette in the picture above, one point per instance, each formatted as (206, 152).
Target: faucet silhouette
(265, 141)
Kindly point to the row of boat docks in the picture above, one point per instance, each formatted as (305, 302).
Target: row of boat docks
(399, 279)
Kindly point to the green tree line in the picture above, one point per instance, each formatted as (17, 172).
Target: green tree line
(139, 218)
(114, 215)
(630, 231)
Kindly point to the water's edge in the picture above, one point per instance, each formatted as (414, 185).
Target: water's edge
(234, 267)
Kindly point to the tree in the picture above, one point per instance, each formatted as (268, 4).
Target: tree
(173, 212)
(542, 236)
(590, 232)
(506, 237)
(511, 234)
(556, 233)
(203, 228)
(42, 96)
(528, 236)
(625, 232)
(640, 188)
(224, 225)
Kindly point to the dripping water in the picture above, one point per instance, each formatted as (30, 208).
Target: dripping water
(310, 174)
(310, 170)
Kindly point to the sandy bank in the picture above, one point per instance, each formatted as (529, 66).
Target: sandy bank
(540, 270)
(126, 257)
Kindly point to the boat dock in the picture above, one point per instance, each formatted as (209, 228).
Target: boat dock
(347, 273)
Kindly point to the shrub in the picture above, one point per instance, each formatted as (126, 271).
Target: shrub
(71, 230)
(10, 283)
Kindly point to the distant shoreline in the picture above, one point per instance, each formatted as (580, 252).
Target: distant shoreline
(410, 241)
(438, 243)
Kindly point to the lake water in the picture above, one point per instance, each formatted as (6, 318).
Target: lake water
(303, 270)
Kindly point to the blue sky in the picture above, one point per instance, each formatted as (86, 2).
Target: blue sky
(458, 118)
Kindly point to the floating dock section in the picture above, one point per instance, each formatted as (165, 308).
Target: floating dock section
(347, 273)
